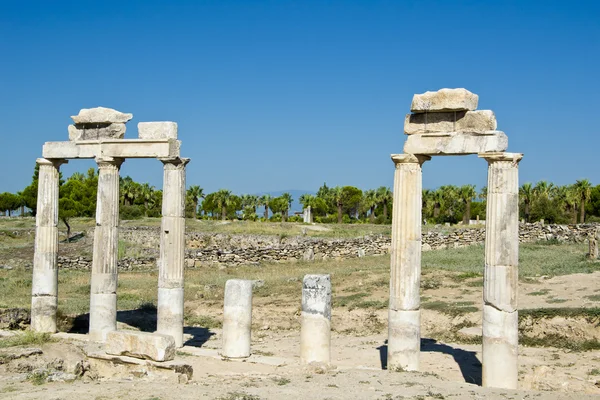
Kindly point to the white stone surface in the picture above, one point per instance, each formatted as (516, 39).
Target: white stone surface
(500, 365)
(445, 100)
(405, 264)
(315, 323)
(116, 148)
(404, 340)
(237, 318)
(172, 250)
(479, 121)
(145, 345)
(44, 290)
(157, 130)
(96, 131)
(100, 115)
(456, 143)
(103, 291)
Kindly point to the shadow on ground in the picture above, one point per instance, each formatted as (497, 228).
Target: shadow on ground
(143, 318)
(467, 361)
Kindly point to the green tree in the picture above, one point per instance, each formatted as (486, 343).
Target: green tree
(583, 188)
(264, 201)
(287, 203)
(384, 197)
(195, 193)
(223, 199)
(9, 202)
(370, 200)
(526, 195)
(467, 193)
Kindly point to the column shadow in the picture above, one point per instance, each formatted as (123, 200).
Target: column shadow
(469, 364)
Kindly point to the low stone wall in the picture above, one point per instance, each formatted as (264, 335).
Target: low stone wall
(206, 249)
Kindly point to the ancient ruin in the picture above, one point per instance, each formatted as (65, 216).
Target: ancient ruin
(315, 324)
(237, 318)
(98, 133)
(447, 122)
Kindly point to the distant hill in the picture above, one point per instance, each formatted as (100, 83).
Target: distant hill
(296, 193)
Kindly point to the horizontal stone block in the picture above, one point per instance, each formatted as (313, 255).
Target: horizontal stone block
(116, 148)
(100, 115)
(157, 130)
(444, 100)
(460, 121)
(96, 131)
(456, 143)
(145, 345)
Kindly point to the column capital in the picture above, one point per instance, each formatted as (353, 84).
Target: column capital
(409, 159)
(107, 162)
(176, 161)
(56, 162)
(495, 157)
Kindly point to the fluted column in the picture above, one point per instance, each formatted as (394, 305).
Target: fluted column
(500, 316)
(172, 250)
(44, 292)
(103, 297)
(404, 320)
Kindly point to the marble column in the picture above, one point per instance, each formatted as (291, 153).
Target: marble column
(172, 250)
(501, 275)
(237, 318)
(404, 318)
(103, 296)
(315, 323)
(44, 292)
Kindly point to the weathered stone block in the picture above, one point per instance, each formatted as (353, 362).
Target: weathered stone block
(449, 143)
(444, 100)
(460, 121)
(145, 345)
(157, 130)
(100, 115)
(96, 131)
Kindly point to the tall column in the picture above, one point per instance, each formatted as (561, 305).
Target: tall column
(44, 292)
(404, 319)
(315, 323)
(500, 316)
(172, 250)
(103, 297)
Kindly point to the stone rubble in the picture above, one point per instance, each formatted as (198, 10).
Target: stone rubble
(144, 345)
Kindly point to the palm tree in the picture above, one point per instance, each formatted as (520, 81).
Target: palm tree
(466, 193)
(438, 200)
(526, 193)
(223, 200)
(370, 201)
(337, 195)
(288, 203)
(583, 188)
(195, 193)
(264, 201)
(128, 190)
(384, 196)
(543, 189)
(146, 194)
(426, 203)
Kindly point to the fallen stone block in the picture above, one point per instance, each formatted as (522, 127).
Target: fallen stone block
(96, 131)
(144, 345)
(456, 143)
(157, 130)
(479, 121)
(444, 100)
(100, 115)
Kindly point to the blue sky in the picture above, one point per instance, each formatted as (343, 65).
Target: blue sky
(273, 95)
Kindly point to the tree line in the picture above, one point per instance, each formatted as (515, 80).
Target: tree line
(574, 203)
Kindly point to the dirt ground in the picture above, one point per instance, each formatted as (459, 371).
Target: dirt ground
(448, 370)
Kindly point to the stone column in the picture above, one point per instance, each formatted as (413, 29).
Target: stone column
(315, 324)
(500, 316)
(103, 296)
(237, 318)
(44, 292)
(172, 250)
(404, 318)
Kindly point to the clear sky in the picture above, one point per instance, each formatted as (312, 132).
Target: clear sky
(273, 95)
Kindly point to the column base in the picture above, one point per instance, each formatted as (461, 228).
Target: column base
(170, 313)
(315, 338)
(500, 348)
(43, 313)
(103, 315)
(404, 340)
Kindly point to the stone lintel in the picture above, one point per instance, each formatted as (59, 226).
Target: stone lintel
(456, 143)
(409, 158)
(117, 148)
(501, 156)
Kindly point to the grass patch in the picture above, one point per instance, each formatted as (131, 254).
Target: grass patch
(347, 301)
(556, 301)
(203, 321)
(451, 309)
(238, 396)
(465, 275)
(542, 292)
(281, 381)
(593, 297)
(38, 377)
(28, 338)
